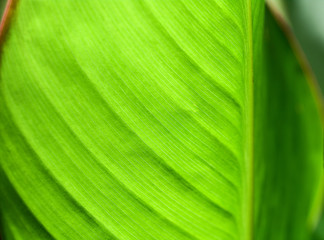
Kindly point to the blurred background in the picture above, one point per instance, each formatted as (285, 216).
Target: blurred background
(306, 18)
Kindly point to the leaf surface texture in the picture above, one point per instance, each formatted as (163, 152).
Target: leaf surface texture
(133, 120)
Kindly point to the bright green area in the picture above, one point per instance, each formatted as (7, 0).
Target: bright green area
(130, 119)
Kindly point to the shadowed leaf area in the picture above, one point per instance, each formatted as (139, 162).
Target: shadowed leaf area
(287, 144)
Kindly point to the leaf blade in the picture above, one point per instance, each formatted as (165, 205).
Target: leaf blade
(140, 124)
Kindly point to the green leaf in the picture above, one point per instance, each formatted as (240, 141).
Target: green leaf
(319, 231)
(305, 20)
(139, 119)
(288, 143)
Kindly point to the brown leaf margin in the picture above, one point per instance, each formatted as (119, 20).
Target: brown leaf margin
(6, 19)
